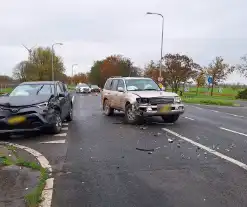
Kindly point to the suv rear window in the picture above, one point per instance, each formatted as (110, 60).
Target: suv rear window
(108, 84)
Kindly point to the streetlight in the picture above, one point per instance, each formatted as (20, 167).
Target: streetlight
(29, 51)
(162, 37)
(73, 71)
(52, 57)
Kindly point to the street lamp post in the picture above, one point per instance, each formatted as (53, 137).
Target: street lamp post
(162, 37)
(52, 59)
(73, 71)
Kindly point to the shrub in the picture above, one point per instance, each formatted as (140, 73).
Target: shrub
(242, 94)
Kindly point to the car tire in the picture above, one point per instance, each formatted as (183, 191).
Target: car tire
(108, 111)
(130, 117)
(57, 126)
(70, 115)
(170, 118)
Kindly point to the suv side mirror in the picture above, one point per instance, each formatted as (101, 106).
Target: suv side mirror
(120, 89)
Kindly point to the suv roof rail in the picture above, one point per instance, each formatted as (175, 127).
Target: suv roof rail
(116, 76)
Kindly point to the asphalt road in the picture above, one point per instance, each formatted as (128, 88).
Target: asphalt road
(96, 162)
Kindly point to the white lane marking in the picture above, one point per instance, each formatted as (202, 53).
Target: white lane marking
(229, 130)
(235, 115)
(214, 111)
(60, 135)
(65, 124)
(209, 150)
(220, 112)
(73, 98)
(189, 118)
(46, 194)
(65, 128)
(54, 142)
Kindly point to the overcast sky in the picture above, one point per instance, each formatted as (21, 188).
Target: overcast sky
(94, 29)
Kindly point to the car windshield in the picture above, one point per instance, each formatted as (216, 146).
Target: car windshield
(32, 89)
(141, 85)
(94, 86)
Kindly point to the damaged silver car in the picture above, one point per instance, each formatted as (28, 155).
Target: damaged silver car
(138, 97)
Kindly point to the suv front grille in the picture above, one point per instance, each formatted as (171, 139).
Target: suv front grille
(155, 101)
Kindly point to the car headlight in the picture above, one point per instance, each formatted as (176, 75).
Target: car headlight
(177, 99)
(142, 100)
(42, 105)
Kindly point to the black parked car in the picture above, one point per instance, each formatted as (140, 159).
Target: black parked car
(34, 106)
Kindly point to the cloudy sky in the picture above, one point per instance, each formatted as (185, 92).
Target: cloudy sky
(94, 29)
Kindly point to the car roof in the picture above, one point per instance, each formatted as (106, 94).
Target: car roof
(40, 82)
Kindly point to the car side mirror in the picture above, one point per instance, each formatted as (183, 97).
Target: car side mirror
(61, 95)
(120, 89)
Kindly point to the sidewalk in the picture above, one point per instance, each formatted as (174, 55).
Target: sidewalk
(19, 177)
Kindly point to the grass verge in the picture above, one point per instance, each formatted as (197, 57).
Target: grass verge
(206, 101)
(32, 199)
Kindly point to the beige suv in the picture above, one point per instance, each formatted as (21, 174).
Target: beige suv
(138, 97)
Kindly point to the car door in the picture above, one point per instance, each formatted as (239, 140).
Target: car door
(120, 95)
(113, 93)
(62, 101)
(106, 92)
(67, 98)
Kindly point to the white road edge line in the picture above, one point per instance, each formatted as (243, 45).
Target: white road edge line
(229, 130)
(235, 115)
(214, 111)
(222, 156)
(189, 118)
(48, 190)
(54, 142)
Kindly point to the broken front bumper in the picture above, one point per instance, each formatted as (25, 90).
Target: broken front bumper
(159, 110)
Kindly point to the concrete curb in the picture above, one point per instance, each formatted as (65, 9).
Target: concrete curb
(48, 190)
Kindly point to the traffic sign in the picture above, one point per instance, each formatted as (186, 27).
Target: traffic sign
(160, 79)
(210, 79)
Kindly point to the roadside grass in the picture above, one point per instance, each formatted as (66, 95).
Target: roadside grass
(32, 199)
(5, 90)
(209, 101)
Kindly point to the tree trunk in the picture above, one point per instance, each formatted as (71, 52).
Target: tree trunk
(212, 89)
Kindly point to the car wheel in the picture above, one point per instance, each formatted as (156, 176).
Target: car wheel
(108, 111)
(130, 116)
(70, 115)
(170, 118)
(57, 126)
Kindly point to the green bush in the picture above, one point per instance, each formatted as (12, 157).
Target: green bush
(242, 94)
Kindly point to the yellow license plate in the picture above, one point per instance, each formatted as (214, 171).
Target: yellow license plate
(165, 108)
(16, 120)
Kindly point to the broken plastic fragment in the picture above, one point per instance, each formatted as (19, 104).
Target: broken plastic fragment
(170, 140)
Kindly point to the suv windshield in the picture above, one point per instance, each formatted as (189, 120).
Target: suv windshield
(94, 86)
(32, 89)
(141, 85)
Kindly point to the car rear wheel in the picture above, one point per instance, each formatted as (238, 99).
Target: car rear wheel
(70, 115)
(57, 126)
(130, 116)
(170, 118)
(108, 111)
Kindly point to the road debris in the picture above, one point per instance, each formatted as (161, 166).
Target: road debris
(165, 146)
(158, 134)
(198, 138)
(150, 153)
(145, 150)
(143, 127)
(205, 153)
(170, 140)
(157, 148)
(227, 150)
(178, 145)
